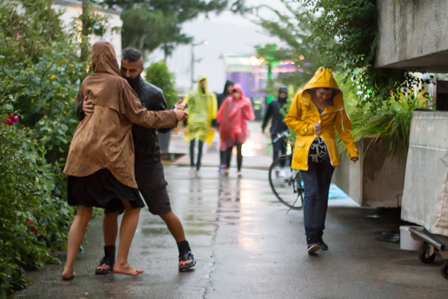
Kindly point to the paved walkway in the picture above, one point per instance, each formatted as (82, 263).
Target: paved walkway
(248, 246)
(257, 151)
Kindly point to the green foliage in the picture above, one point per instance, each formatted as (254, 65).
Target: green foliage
(346, 32)
(391, 121)
(293, 29)
(41, 72)
(157, 73)
(33, 220)
(339, 34)
(150, 24)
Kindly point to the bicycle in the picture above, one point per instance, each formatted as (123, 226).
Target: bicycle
(286, 183)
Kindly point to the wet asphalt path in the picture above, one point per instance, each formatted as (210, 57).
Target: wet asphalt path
(247, 246)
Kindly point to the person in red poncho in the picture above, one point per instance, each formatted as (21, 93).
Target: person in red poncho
(233, 117)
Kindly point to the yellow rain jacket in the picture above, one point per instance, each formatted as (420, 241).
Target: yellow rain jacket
(202, 110)
(303, 114)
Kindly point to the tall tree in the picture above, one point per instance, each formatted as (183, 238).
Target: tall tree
(150, 24)
(293, 29)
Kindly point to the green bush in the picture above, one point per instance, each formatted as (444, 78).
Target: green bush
(32, 219)
(391, 121)
(157, 73)
(40, 72)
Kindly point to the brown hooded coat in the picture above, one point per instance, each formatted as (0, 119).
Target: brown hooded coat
(104, 139)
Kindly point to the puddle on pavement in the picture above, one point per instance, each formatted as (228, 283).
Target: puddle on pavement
(387, 236)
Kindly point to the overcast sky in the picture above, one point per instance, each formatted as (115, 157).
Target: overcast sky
(226, 33)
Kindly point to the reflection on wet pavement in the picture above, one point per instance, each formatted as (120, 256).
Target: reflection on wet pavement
(247, 246)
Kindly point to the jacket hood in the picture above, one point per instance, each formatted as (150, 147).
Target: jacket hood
(237, 87)
(283, 89)
(104, 59)
(323, 78)
(228, 83)
(202, 77)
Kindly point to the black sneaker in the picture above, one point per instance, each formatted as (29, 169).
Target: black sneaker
(186, 261)
(186, 258)
(322, 244)
(106, 266)
(312, 248)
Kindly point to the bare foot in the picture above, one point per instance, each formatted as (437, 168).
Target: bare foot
(126, 269)
(68, 274)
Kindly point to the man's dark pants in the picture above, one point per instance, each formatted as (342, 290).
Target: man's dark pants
(152, 186)
(279, 147)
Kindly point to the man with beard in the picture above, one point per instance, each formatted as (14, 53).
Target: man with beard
(278, 125)
(148, 167)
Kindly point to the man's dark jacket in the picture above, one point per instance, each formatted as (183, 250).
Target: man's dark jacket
(146, 141)
(278, 119)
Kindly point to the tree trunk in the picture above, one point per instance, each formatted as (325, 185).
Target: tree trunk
(165, 52)
(85, 30)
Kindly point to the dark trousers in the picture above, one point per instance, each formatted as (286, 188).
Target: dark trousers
(279, 147)
(200, 147)
(239, 146)
(317, 186)
(222, 157)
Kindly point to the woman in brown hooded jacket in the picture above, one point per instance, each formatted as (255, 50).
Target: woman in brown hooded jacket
(100, 163)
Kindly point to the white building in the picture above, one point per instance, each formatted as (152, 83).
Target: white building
(73, 9)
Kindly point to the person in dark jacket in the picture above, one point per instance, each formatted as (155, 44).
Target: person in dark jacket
(148, 167)
(228, 87)
(278, 123)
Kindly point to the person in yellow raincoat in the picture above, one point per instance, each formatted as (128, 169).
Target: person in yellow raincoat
(315, 113)
(202, 110)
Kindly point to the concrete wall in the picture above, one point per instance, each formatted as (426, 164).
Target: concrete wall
(376, 180)
(73, 9)
(413, 35)
(347, 177)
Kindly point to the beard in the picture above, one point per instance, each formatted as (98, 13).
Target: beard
(134, 83)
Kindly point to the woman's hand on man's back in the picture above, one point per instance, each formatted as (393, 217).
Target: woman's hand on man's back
(87, 106)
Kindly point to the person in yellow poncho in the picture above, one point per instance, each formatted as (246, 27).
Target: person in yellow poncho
(315, 113)
(202, 110)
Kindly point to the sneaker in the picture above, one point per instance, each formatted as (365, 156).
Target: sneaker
(221, 169)
(186, 258)
(277, 171)
(186, 261)
(282, 173)
(106, 266)
(239, 174)
(198, 174)
(192, 171)
(322, 244)
(312, 248)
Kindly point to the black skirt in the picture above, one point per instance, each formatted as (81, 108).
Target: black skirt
(101, 190)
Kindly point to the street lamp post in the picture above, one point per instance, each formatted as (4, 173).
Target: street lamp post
(193, 60)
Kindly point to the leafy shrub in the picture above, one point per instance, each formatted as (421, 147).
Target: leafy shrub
(157, 73)
(40, 72)
(391, 121)
(32, 219)
(39, 69)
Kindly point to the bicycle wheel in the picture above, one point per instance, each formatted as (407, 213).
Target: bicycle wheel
(286, 183)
